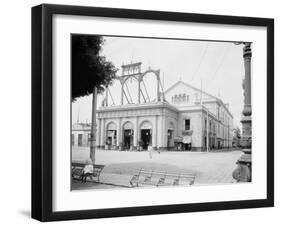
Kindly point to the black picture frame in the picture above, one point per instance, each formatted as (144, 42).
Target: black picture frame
(42, 107)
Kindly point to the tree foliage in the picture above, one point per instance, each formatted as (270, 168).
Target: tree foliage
(237, 133)
(89, 69)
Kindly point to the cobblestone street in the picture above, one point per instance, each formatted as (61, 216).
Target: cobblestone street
(210, 168)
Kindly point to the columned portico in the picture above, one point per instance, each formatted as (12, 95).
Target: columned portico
(137, 125)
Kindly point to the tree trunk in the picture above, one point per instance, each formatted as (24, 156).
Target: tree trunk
(93, 127)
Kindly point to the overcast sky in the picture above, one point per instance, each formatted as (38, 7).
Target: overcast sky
(219, 65)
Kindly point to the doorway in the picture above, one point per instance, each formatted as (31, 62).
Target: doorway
(111, 137)
(146, 138)
(128, 138)
(187, 146)
(80, 137)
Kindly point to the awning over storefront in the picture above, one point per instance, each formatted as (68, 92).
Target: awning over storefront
(186, 139)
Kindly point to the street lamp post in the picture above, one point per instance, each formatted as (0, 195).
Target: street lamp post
(243, 172)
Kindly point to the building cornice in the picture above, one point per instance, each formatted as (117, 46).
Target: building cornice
(142, 106)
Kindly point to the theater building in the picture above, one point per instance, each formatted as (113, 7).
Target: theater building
(181, 118)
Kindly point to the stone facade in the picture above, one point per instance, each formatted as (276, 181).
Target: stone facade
(187, 118)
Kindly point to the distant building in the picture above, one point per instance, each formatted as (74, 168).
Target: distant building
(80, 134)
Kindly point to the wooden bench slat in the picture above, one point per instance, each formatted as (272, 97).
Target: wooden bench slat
(156, 178)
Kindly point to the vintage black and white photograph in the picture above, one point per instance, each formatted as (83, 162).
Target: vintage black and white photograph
(157, 112)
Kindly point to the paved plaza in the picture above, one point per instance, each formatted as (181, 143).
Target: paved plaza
(210, 168)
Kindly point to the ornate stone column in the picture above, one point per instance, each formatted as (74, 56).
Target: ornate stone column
(118, 135)
(243, 172)
(154, 133)
(162, 134)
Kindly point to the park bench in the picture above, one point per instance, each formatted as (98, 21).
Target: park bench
(157, 178)
(77, 171)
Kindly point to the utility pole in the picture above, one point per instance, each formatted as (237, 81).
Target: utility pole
(93, 127)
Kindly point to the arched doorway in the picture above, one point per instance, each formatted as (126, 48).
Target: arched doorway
(146, 134)
(128, 132)
(111, 135)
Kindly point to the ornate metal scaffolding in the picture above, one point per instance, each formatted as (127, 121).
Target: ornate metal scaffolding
(133, 71)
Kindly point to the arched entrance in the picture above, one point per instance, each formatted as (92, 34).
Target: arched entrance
(111, 135)
(146, 134)
(128, 132)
